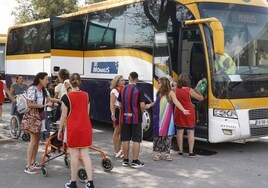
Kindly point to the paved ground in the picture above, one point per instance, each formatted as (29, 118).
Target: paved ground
(232, 165)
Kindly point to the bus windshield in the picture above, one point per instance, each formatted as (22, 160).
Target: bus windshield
(242, 72)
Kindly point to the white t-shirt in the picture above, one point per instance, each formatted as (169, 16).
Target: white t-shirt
(63, 88)
(116, 93)
(34, 95)
(58, 89)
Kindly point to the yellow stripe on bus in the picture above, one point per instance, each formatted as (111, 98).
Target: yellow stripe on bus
(67, 53)
(28, 56)
(120, 52)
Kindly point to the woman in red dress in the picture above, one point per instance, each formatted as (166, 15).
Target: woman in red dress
(2, 96)
(75, 114)
(182, 122)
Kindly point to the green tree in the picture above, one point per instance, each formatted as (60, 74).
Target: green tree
(92, 1)
(31, 10)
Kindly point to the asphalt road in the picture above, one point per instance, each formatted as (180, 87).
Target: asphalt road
(217, 165)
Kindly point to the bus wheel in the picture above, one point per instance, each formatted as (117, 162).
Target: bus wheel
(147, 124)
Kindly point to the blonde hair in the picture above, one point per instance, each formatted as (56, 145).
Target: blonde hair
(114, 82)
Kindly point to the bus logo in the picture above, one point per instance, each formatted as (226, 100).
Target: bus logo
(104, 67)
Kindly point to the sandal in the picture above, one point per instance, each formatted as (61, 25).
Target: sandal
(157, 156)
(168, 157)
(118, 154)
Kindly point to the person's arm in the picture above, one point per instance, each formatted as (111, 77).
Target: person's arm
(196, 95)
(67, 86)
(12, 90)
(63, 118)
(147, 106)
(142, 105)
(112, 109)
(177, 103)
(52, 99)
(8, 93)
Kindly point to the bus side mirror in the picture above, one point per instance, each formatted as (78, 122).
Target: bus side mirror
(218, 37)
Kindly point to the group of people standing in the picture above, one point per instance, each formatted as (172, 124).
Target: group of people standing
(173, 113)
(73, 112)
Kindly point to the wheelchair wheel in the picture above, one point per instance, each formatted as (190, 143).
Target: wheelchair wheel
(15, 129)
(25, 136)
(82, 174)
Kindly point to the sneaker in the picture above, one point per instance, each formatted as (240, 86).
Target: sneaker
(192, 155)
(180, 154)
(137, 164)
(71, 185)
(36, 166)
(119, 154)
(29, 170)
(125, 162)
(89, 185)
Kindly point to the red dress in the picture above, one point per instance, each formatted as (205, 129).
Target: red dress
(79, 128)
(181, 120)
(2, 97)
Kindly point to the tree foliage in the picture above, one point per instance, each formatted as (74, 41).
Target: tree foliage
(31, 10)
(93, 1)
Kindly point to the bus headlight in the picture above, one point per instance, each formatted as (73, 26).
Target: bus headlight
(225, 113)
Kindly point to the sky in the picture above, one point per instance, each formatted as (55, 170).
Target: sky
(6, 20)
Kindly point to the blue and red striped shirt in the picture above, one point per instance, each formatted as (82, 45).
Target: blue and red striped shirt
(130, 98)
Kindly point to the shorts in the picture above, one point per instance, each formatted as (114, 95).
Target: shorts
(117, 117)
(185, 128)
(131, 132)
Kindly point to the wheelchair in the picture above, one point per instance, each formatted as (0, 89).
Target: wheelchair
(15, 126)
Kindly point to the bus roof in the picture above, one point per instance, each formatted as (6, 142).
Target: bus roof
(116, 3)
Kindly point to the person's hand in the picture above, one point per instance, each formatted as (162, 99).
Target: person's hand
(60, 135)
(186, 112)
(113, 118)
(147, 106)
(48, 104)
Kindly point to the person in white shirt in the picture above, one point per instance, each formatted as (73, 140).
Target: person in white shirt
(116, 85)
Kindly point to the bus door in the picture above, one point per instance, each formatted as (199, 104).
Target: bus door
(67, 44)
(193, 64)
(161, 57)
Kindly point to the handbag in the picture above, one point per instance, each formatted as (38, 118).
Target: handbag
(42, 115)
(31, 121)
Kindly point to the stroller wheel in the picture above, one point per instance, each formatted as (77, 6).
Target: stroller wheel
(107, 164)
(25, 136)
(66, 162)
(82, 174)
(44, 171)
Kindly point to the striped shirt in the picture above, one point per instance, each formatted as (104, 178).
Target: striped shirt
(130, 98)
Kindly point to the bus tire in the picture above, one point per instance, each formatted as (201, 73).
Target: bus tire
(147, 124)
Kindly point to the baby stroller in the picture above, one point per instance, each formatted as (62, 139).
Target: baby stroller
(54, 146)
(15, 126)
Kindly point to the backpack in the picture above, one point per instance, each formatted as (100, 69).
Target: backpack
(21, 103)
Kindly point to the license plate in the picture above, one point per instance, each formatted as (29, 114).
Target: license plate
(262, 122)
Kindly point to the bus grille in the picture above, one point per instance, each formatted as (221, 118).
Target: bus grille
(258, 114)
(259, 131)
(255, 115)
